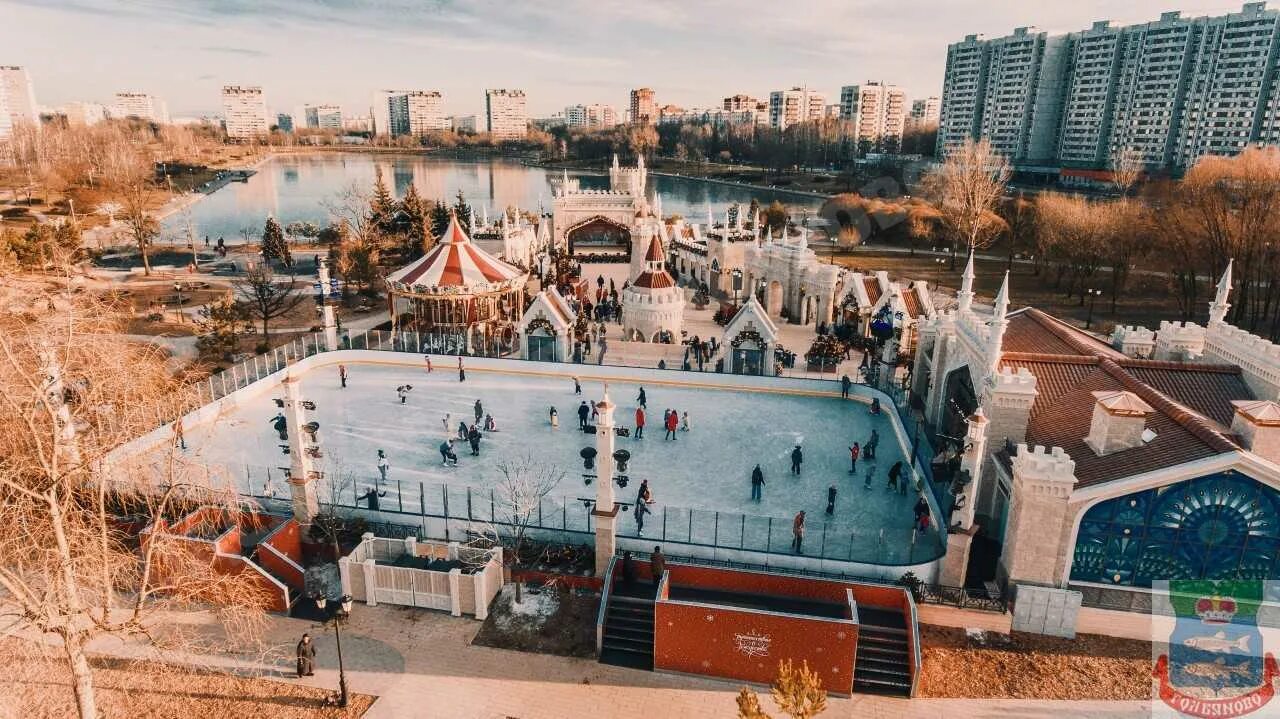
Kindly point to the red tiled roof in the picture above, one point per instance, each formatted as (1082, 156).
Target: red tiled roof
(872, 286)
(911, 299)
(655, 253)
(654, 280)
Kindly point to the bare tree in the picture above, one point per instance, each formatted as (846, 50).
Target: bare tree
(71, 394)
(130, 175)
(525, 481)
(265, 297)
(966, 188)
(1126, 170)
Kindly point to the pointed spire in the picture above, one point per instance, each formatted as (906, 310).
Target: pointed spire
(1218, 308)
(1002, 300)
(484, 215)
(640, 162)
(710, 221)
(657, 205)
(615, 161)
(965, 296)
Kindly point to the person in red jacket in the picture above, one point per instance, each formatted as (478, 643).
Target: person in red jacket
(853, 458)
(639, 422)
(673, 423)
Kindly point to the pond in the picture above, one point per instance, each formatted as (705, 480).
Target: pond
(304, 188)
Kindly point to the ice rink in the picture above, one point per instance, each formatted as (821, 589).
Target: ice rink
(706, 469)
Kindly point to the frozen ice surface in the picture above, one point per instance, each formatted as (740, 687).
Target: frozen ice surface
(705, 470)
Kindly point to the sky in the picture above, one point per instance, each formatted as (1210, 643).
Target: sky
(560, 52)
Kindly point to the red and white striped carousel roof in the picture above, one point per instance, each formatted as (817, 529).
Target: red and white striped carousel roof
(456, 266)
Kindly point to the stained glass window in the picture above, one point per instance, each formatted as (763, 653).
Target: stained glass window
(1223, 526)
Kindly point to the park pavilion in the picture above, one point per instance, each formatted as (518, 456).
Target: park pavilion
(458, 290)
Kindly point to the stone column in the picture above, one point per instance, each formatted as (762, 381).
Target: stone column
(1007, 400)
(1035, 538)
(330, 322)
(606, 511)
(302, 475)
(956, 562)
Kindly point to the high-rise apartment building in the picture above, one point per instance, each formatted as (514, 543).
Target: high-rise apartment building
(380, 110)
(740, 102)
(83, 114)
(1163, 93)
(417, 112)
(465, 123)
(6, 122)
(505, 114)
(799, 104)
(140, 106)
(284, 122)
(924, 113)
(19, 98)
(878, 113)
(590, 116)
(644, 106)
(322, 117)
(244, 110)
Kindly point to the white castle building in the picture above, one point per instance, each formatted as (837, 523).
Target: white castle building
(652, 305)
(603, 219)
(515, 240)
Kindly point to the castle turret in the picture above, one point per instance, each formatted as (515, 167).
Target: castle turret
(965, 295)
(1218, 308)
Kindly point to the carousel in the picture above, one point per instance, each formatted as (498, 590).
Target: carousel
(457, 298)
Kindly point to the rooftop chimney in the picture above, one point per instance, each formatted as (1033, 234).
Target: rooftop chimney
(1257, 422)
(1119, 421)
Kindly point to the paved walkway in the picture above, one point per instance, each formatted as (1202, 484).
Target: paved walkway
(422, 664)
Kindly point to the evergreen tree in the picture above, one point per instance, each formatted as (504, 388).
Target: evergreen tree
(439, 219)
(382, 206)
(274, 246)
(463, 211)
(418, 238)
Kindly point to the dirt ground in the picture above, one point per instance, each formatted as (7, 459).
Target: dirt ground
(556, 622)
(41, 689)
(1029, 666)
(1147, 301)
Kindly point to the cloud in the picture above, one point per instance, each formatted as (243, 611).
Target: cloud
(242, 51)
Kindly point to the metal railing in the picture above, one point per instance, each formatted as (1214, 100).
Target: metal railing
(604, 604)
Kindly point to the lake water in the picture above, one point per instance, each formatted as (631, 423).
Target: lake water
(303, 188)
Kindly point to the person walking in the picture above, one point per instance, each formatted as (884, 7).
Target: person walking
(447, 455)
(577, 386)
(853, 458)
(479, 410)
(428, 359)
(921, 507)
(473, 436)
(306, 657)
(673, 423)
(384, 466)
(872, 443)
(797, 457)
(757, 483)
(281, 426)
(845, 384)
(657, 566)
(583, 412)
(644, 497)
(342, 375)
(797, 533)
(831, 500)
(462, 372)
(640, 422)
(179, 434)
(684, 422)
(894, 471)
(403, 392)
(555, 418)
(640, 399)
(628, 570)
(445, 421)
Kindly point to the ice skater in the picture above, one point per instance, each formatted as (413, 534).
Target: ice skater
(577, 386)
(473, 436)
(875, 406)
(757, 483)
(462, 431)
(428, 360)
(871, 471)
(831, 500)
(894, 471)
(462, 372)
(342, 375)
(281, 426)
(384, 466)
(797, 457)
(179, 434)
(403, 392)
(797, 533)
(489, 424)
(479, 411)
(640, 399)
(640, 422)
(673, 423)
(445, 421)
(845, 384)
(853, 458)
(684, 422)
(872, 443)
(447, 455)
(644, 497)
(554, 417)
(583, 412)
(921, 507)
(595, 411)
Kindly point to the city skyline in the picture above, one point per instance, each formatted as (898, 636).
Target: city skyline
(289, 50)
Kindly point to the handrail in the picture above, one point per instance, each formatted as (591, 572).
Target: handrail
(853, 605)
(913, 636)
(604, 604)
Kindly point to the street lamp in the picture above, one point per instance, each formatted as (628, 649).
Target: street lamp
(340, 614)
(1093, 297)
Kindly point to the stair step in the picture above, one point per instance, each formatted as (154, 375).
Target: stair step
(618, 641)
(893, 666)
(876, 686)
(867, 673)
(622, 631)
(878, 630)
(637, 601)
(889, 653)
(881, 641)
(629, 619)
(623, 658)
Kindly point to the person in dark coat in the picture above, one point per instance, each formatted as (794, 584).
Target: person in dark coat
(628, 570)
(583, 412)
(306, 657)
(447, 455)
(479, 411)
(796, 458)
(462, 373)
(831, 500)
(281, 426)
(797, 533)
(658, 565)
(845, 384)
(641, 399)
(870, 450)
(757, 482)
(922, 507)
(894, 472)
(473, 436)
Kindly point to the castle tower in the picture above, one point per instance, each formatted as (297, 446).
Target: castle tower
(965, 295)
(652, 305)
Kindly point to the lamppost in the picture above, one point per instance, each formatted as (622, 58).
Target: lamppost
(177, 288)
(737, 285)
(1093, 297)
(338, 616)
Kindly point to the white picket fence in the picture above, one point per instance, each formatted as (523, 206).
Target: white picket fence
(368, 575)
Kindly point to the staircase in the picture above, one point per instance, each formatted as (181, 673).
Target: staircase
(882, 665)
(628, 629)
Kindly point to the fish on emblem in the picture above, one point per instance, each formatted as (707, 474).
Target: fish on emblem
(1218, 643)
